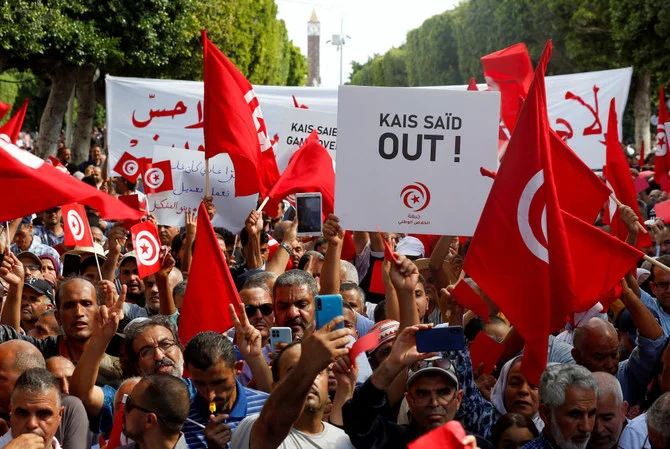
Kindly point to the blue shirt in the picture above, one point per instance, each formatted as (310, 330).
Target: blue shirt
(47, 236)
(538, 443)
(656, 309)
(248, 402)
(636, 434)
(363, 324)
(636, 373)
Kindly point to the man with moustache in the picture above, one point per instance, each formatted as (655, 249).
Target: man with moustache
(294, 293)
(610, 413)
(567, 407)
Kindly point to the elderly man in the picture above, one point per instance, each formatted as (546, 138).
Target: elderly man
(24, 240)
(37, 297)
(432, 393)
(567, 408)
(294, 293)
(36, 412)
(155, 413)
(649, 430)
(610, 413)
(294, 413)
(596, 346)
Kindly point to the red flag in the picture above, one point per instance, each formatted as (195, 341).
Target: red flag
(523, 206)
(377, 281)
(210, 286)
(617, 173)
(309, 170)
(129, 167)
(464, 295)
(57, 165)
(4, 109)
(298, 105)
(270, 172)
(364, 344)
(641, 162)
(75, 226)
(157, 176)
(37, 186)
(472, 85)
(233, 120)
(510, 72)
(448, 436)
(117, 427)
(662, 211)
(486, 350)
(661, 160)
(147, 247)
(13, 126)
(580, 191)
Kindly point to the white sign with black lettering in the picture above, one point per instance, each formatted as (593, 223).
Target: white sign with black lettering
(297, 124)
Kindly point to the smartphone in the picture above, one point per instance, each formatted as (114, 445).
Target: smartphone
(308, 210)
(71, 263)
(327, 308)
(440, 338)
(280, 335)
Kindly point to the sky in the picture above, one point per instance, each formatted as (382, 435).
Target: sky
(375, 26)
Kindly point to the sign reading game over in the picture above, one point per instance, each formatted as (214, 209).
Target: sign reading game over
(409, 160)
(297, 124)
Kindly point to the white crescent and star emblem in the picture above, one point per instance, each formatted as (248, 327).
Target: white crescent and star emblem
(154, 178)
(130, 167)
(76, 224)
(523, 218)
(147, 248)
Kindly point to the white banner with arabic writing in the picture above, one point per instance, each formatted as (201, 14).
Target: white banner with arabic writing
(188, 187)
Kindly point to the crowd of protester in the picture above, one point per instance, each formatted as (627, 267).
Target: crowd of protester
(76, 344)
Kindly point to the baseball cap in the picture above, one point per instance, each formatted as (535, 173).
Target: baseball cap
(40, 286)
(439, 365)
(32, 257)
(410, 246)
(127, 256)
(388, 331)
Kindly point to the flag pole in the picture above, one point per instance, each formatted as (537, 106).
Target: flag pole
(97, 261)
(620, 204)
(657, 263)
(8, 242)
(265, 201)
(207, 187)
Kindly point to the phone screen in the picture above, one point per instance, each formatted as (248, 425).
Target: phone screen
(309, 214)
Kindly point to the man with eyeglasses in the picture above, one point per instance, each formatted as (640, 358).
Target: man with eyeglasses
(660, 287)
(432, 394)
(32, 264)
(155, 413)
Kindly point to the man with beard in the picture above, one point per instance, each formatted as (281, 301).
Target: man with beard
(567, 408)
(155, 413)
(51, 231)
(610, 413)
(293, 415)
(660, 287)
(596, 347)
(36, 412)
(130, 277)
(294, 293)
(212, 363)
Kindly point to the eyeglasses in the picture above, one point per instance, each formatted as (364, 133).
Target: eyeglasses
(33, 267)
(266, 309)
(662, 285)
(130, 406)
(443, 363)
(149, 351)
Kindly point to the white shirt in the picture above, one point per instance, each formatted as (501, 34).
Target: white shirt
(6, 438)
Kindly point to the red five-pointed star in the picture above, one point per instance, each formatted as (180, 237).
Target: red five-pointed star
(144, 248)
(415, 199)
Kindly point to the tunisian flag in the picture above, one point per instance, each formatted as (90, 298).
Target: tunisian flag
(13, 126)
(534, 256)
(661, 160)
(618, 175)
(510, 72)
(37, 185)
(233, 120)
(76, 229)
(210, 287)
(309, 170)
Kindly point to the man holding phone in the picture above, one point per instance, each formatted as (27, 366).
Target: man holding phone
(294, 293)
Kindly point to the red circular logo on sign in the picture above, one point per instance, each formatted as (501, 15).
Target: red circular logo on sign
(415, 196)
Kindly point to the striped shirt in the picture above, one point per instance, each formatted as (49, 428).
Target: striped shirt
(248, 402)
(539, 443)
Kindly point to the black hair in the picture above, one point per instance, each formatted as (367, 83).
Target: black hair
(665, 260)
(511, 420)
(244, 237)
(380, 311)
(207, 349)
(277, 361)
(168, 397)
(131, 332)
(227, 236)
(37, 380)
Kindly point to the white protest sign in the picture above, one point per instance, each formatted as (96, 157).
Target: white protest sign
(409, 159)
(188, 182)
(296, 126)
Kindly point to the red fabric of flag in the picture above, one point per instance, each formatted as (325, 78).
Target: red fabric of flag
(129, 167)
(13, 126)
(37, 186)
(233, 120)
(76, 229)
(270, 174)
(486, 350)
(309, 170)
(523, 206)
(57, 165)
(147, 246)
(617, 173)
(117, 427)
(4, 109)
(464, 295)
(447, 436)
(210, 287)
(157, 176)
(510, 72)
(472, 85)
(661, 160)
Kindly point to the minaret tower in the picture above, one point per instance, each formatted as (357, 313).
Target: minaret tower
(313, 43)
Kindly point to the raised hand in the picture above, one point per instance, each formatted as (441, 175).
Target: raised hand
(324, 346)
(209, 205)
(191, 224)
(167, 264)
(111, 313)
(404, 352)
(404, 274)
(332, 230)
(12, 270)
(254, 223)
(249, 340)
(116, 239)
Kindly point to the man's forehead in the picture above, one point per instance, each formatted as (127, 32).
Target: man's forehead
(254, 294)
(152, 333)
(299, 291)
(78, 289)
(31, 398)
